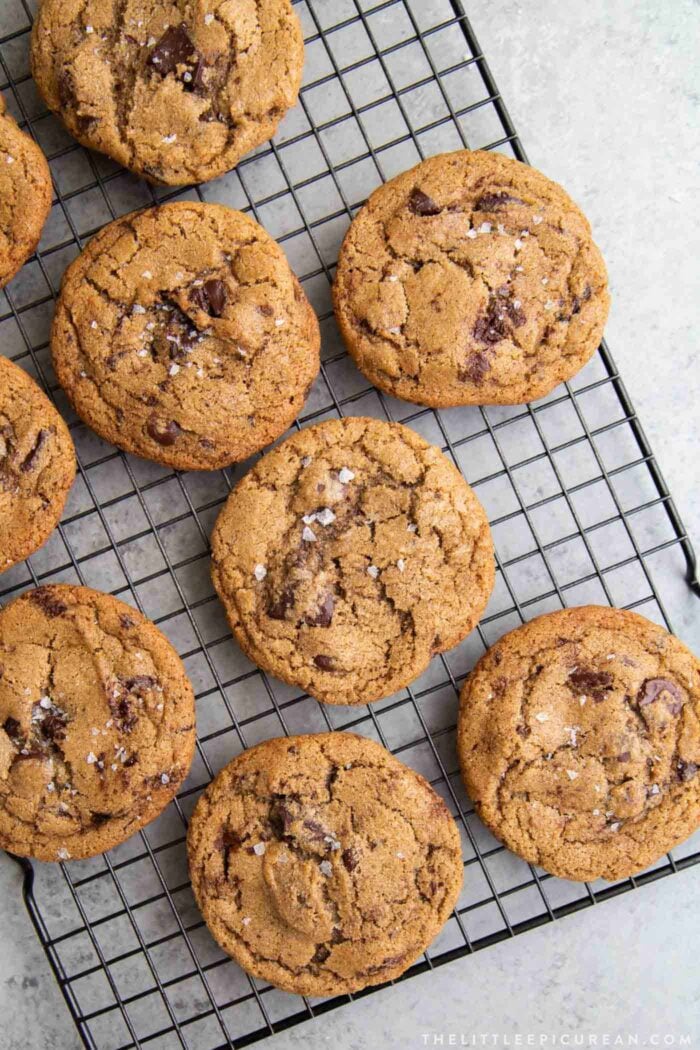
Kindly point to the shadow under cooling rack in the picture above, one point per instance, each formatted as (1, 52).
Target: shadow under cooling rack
(578, 507)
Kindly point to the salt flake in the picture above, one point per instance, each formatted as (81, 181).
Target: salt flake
(308, 535)
(345, 475)
(326, 867)
(259, 572)
(373, 571)
(259, 848)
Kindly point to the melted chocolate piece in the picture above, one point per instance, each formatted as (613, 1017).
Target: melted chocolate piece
(324, 663)
(165, 432)
(421, 204)
(652, 689)
(277, 610)
(175, 48)
(494, 201)
(476, 367)
(13, 730)
(321, 954)
(44, 598)
(31, 458)
(210, 297)
(591, 683)
(324, 615)
(350, 858)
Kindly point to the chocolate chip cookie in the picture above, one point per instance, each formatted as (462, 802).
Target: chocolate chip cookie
(350, 555)
(176, 91)
(96, 723)
(25, 196)
(322, 864)
(579, 741)
(182, 335)
(37, 465)
(470, 280)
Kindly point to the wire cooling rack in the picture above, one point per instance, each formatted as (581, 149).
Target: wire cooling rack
(578, 507)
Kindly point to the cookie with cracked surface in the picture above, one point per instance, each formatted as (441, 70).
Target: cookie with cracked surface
(579, 742)
(348, 556)
(182, 335)
(471, 279)
(322, 864)
(177, 91)
(37, 465)
(96, 723)
(25, 196)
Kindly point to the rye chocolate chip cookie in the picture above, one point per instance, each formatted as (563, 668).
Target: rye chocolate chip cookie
(470, 279)
(579, 741)
(96, 723)
(176, 90)
(182, 335)
(25, 196)
(37, 465)
(350, 555)
(322, 864)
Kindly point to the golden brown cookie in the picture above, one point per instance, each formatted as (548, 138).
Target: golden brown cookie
(579, 741)
(182, 335)
(37, 465)
(176, 90)
(470, 280)
(350, 555)
(96, 723)
(322, 864)
(25, 196)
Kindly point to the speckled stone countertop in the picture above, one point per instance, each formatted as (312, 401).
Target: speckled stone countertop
(604, 95)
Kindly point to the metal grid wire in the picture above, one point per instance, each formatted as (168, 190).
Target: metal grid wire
(577, 505)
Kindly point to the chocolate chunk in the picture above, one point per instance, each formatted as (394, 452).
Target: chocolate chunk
(174, 49)
(624, 757)
(53, 726)
(122, 712)
(494, 201)
(687, 770)
(591, 683)
(350, 858)
(44, 598)
(277, 610)
(229, 840)
(139, 683)
(578, 301)
(210, 297)
(324, 663)
(324, 615)
(651, 690)
(421, 204)
(100, 818)
(13, 730)
(197, 82)
(31, 458)
(126, 622)
(523, 731)
(321, 954)
(515, 313)
(165, 432)
(280, 819)
(265, 310)
(491, 328)
(318, 832)
(476, 367)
